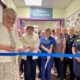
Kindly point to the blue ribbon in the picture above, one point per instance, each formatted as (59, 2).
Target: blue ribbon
(40, 54)
(8, 54)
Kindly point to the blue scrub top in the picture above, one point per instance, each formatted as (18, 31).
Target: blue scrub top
(47, 43)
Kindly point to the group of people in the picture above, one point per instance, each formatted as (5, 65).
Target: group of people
(59, 40)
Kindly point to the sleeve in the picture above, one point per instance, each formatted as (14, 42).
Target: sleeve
(23, 42)
(74, 43)
(37, 43)
(53, 42)
(18, 42)
(41, 41)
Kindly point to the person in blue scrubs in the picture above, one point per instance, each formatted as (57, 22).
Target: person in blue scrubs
(46, 43)
(76, 50)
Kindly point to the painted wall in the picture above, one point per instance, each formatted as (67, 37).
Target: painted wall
(58, 13)
(25, 13)
(72, 8)
(10, 3)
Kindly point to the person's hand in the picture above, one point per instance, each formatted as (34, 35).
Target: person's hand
(62, 59)
(49, 51)
(78, 59)
(31, 48)
(38, 50)
(9, 48)
(20, 50)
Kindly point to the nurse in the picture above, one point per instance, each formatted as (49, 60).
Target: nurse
(46, 43)
(76, 50)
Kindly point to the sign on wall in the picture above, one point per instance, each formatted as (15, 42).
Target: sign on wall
(41, 13)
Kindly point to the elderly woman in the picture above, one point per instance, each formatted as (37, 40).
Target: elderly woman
(60, 48)
(9, 42)
(76, 50)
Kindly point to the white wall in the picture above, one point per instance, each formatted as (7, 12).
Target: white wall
(25, 13)
(10, 3)
(72, 8)
(58, 13)
(71, 14)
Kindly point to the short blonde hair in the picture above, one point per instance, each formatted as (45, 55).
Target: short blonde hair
(63, 28)
(71, 28)
(58, 28)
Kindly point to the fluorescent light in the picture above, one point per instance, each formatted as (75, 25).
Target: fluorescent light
(33, 2)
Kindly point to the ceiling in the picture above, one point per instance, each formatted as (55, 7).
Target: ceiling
(46, 3)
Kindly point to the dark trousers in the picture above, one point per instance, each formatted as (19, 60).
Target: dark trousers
(39, 66)
(22, 64)
(69, 62)
(77, 78)
(60, 68)
(30, 69)
(46, 71)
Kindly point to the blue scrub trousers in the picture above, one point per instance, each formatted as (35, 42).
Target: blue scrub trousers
(46, 71)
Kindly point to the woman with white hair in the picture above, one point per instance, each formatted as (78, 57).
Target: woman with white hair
(9, 42)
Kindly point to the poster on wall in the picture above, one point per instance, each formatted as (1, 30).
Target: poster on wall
(41, 13)
(73, 20)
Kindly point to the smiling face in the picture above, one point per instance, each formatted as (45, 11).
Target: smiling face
(57, 31)
(47, 32)
(64, 31)
(9, 19)
(71, 31)
(30, 30)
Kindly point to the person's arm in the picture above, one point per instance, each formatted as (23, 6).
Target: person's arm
(64, 45)
(2, 47)
(74, 50)
(7, 48)
(36, 45)
(50, 51)
(44, 48)
(23, 42)
(51, 48)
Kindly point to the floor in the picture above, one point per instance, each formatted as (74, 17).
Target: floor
(53, 76)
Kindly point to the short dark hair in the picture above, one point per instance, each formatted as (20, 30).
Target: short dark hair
(29, 27)
(53, 30)
(48, 29)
